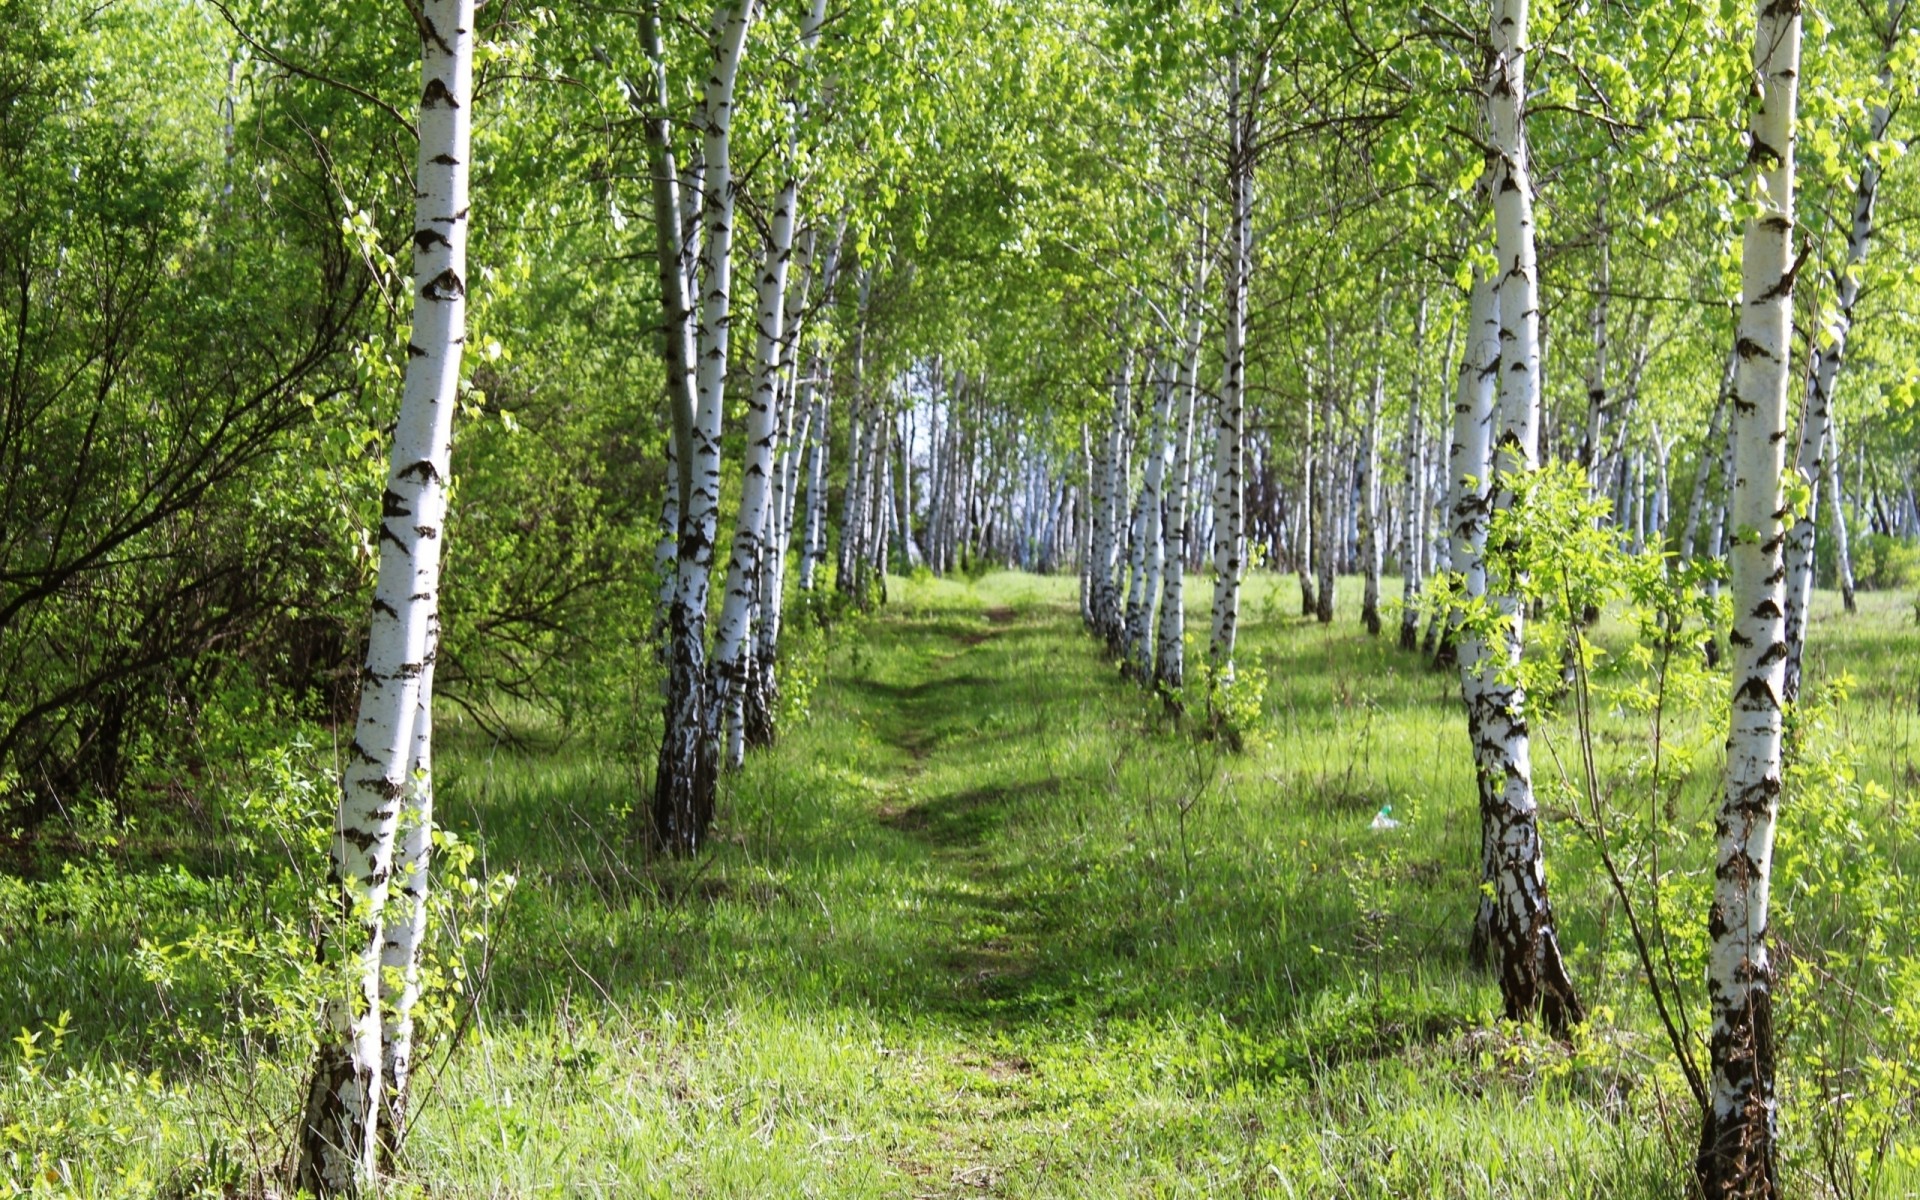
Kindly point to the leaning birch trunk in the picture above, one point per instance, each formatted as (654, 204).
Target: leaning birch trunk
(814, 542)
(1710, 453)
(1842, 553)
(683, 793)
(404, 926)
(1370, 547)
(1413, 519)
(1737, 1131)
(763, 685)
(1229, 467)
(1469, 470)
(1816, 417)
(750, 526)
(339, 1127)
(1526, 950)
(1170, 670)
(671, 246)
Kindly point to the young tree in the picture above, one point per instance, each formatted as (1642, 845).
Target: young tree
(1737, 1133)
(1525, 947)
(384, 779)
(684, 781)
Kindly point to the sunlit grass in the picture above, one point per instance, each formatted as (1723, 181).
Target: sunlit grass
(990, 922)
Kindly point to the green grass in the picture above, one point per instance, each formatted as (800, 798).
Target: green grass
(989, 923)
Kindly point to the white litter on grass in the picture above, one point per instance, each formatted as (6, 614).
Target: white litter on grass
(1384, 818)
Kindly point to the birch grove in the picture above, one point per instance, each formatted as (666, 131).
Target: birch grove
(826, 358)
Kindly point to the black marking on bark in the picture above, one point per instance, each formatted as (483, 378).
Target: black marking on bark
(447, 285)
(423, 468)
(393, 504)
(426, 239)
(438, 93)
(414, 351)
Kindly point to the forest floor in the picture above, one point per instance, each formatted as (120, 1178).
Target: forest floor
(988, 922)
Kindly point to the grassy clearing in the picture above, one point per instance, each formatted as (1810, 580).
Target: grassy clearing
(989, 924)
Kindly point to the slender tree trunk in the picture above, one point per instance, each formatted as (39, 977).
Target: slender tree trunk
(1710, 453)
(1327, 532)
(1438, 641)
(1737, 1132)
(1310, 532)
(1842, 552)
(1413, 521)
(1816, 419)
(1369, 509)
(339, 1127)
(1154, 502)
(1229, 463)
(814, 545)
(1526, 949)
(683, 794)
(731, 637)
(1171, 669)
(405, 926)
(1470, 469)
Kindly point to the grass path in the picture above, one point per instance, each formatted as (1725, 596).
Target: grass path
(986, 925)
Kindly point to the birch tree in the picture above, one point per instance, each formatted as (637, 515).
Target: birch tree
(1524, 944)
(1828, 353)
(1737, 1134)
(339, 1127)
(684, 779)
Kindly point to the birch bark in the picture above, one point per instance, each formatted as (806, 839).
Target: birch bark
(1154, 503)
(1229, 466)
(1413, 520)
(1470, 471)
(1737, 1131)
(1816, 418)
(684, 780)
(1171, 668)
(1525, 947)
(339, 1128)
(1369, 515)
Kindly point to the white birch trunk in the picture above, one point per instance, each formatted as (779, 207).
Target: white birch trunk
(405, 926)
(1711, 451)
(1413, 520)
(1170, 670)
(684, 782)
(1309, 520)
(339, 1129)
(756, 480)
(1737, 1133)
(1154, 504)
(1369, 514)
(814, 544)
(1842, 553)
(1816, 418)
(1470, 471)
(1229, 465)
(1525, 947)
